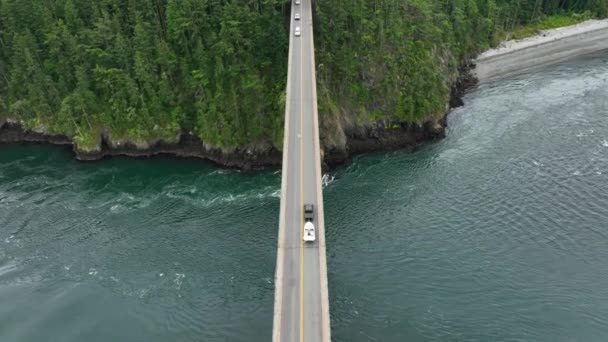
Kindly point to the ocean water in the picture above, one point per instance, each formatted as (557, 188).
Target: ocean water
(497, 233)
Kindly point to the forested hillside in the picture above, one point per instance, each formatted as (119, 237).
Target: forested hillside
(145, 69)
(139, 71)
(386, 63)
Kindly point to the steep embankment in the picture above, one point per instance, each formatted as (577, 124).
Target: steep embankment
(387, 70)
(207, 78)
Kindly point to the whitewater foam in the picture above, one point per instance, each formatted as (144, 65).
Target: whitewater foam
(327, 179)
(10, 267)
(179, 279)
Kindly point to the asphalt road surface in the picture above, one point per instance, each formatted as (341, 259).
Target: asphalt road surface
(301, 312)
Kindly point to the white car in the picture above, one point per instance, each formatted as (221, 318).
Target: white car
(309, 232)
(297, 2)
(297, 33)
(297, 16)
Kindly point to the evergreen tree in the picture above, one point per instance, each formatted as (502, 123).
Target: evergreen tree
(145, 69)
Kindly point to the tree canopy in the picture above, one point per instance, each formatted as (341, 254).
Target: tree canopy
(139, 69)
(149, 69)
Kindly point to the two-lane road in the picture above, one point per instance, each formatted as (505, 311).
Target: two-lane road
(301, 307)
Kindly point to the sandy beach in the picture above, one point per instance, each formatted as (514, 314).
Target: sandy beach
(547, 47)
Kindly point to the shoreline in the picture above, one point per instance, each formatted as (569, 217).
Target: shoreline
(366, 140)
(187, 146)
(514, 56)
(548, 47)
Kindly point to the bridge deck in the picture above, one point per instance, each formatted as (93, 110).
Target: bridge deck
(301, 311)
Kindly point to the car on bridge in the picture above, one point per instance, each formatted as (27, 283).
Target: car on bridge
(309, 232)
(297, 16)
(297, 33)
(297, 2)
(309, 212)
(309, 227)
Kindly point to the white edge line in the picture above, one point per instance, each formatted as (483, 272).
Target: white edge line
(278, 275)
(325, 322)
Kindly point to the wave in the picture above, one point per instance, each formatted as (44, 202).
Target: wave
(327, 179)
(192, 195)
(8, 268)
(224, 198)
(221, 171)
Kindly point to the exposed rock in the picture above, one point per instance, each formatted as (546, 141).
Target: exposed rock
(378, 137)
(188, 146)
(11, 131)
(381, 138)
(465, 80)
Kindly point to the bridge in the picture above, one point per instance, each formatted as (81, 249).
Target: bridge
(301, 306)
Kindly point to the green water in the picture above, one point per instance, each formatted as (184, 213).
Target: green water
(497, 233)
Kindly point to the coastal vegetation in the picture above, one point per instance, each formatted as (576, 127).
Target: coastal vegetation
(137, 70)
(548, 22)
(396, 61)
(140, 70)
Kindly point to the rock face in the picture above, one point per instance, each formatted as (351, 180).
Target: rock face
(190, 146)
(187, 146)
(382, 137)
(12, 132)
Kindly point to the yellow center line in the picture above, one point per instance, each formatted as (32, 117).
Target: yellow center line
(301, 193)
